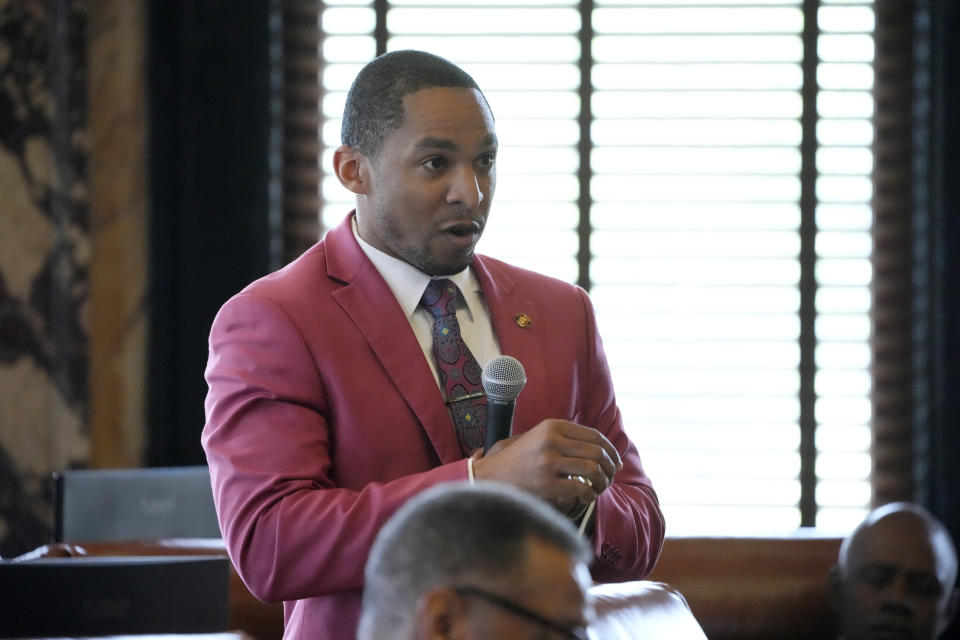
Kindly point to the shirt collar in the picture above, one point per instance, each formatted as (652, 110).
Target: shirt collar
(408, 283)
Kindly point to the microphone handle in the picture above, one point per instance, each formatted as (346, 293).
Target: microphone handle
(499, 421)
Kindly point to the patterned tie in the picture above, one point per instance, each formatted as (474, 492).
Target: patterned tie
(458, 369)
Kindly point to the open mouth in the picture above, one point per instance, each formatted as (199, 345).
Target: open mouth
(462, 232)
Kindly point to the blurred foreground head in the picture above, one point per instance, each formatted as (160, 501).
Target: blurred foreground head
(895, 577)
(476, 561)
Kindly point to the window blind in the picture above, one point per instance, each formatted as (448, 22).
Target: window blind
(526, 61)
(696, 243)
(301, 118)
(652, 151)
(844, 273)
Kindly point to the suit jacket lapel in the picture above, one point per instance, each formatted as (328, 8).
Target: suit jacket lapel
(368, 301)
(521, 342)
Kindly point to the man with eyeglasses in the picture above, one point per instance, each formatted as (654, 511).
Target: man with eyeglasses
(895, 576)
(475, 561)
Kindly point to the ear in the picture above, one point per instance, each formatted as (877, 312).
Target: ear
(440, 615)
(352, 169)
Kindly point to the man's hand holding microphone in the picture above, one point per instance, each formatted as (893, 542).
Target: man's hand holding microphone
(565, 463)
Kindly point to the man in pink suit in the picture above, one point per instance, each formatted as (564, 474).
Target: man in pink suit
(325, 411)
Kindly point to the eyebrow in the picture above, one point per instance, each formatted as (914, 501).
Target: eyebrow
(431, 142)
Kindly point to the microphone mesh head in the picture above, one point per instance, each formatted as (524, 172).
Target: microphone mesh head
(503, 378)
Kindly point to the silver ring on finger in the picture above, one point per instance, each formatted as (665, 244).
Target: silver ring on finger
(582, 479)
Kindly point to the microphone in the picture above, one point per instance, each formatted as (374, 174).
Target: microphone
(502, 379)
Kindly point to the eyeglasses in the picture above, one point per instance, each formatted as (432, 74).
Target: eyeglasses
(570, 633)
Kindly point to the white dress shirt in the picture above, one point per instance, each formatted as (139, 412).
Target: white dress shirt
(408, 284)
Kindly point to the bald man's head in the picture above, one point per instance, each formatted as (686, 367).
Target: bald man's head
(895, 576)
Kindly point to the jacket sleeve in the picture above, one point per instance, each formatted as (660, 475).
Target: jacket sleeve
(628, 525)
(289, 530)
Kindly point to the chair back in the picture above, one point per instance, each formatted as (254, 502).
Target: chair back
(641, 610)
(71, 597)
(94, 505)
(754, 588)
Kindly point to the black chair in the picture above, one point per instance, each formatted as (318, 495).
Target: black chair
(100, 505)
(64, 597)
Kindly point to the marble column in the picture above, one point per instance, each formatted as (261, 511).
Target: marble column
(117, 130)
(73, 249)
(44, 260)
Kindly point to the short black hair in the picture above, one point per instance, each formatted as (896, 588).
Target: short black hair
(374, 104)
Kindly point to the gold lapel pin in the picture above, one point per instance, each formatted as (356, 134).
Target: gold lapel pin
(523, 320)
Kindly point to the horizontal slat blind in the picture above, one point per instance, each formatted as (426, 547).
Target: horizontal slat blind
(301, 144)
(525, 59)
(893, 312)
(694, 213)
(843, 271)
(347, 45)
(696, 241)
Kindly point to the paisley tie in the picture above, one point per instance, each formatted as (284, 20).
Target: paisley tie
(457, 368)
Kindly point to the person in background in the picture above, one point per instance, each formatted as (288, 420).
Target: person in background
(895, 576)
(476, 562)
(346, 383)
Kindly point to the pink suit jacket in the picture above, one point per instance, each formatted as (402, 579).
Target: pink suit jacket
(323, 417)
